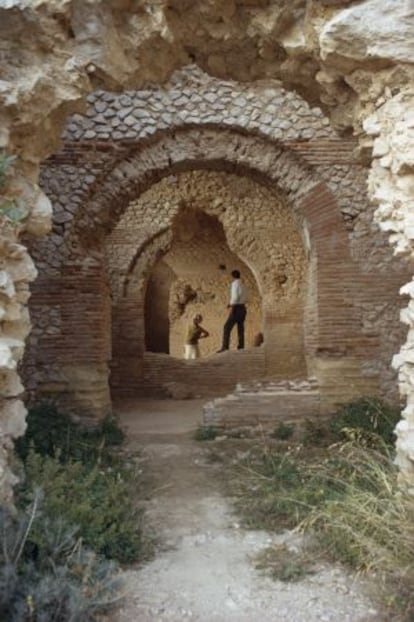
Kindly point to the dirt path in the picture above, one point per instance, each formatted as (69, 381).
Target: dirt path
(203, 569)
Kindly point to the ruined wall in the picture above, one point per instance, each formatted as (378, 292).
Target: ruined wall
(357, 59)
(254, 230)
(124, 139)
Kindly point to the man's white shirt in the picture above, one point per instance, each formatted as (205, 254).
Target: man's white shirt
(238, 294)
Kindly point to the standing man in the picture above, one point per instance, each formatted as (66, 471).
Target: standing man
(237, 313)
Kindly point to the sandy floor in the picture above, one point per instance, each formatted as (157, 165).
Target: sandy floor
(203, 569)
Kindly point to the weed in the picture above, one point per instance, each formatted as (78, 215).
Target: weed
(283, 431)
(51, 575)
(283, 564)
(370, 417)
(275, 491)
(206, 433)
(315, 433)
(345, 496)
(50, 432)
(97, 499)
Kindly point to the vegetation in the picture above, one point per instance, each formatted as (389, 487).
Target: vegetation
(366, 416)
(12, 208)
(47, 575)
(77, 517)
(285, 564)
(283, 431)
(97, 499)
(51, 433)
(344, 494)
(205, 433)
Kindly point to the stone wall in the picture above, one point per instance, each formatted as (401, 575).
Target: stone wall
(242, 220)
(356, 59)
(123, 145)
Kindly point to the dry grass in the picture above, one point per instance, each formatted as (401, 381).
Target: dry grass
(346, 498)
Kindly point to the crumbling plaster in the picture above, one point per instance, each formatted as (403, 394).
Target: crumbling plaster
(258, 227)
(350, 57)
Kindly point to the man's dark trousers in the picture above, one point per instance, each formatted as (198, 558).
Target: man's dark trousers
(237, 316)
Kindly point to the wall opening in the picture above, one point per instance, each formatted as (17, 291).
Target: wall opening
(192, 278)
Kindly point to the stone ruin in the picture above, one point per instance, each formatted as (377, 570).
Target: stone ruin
(161, 144)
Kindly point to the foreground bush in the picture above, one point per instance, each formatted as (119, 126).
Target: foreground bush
(86, 483)
(98, 500)
(47, 575)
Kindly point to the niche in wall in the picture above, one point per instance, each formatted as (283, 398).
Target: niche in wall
(157, 318)
(191, 275)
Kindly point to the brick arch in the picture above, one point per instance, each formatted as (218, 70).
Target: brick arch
(330, 323)
(314, 206)
(331, 332)
(190, 148)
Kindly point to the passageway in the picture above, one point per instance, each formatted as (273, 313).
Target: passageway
(203, 570)
(153, 194)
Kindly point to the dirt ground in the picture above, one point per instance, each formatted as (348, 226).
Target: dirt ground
(203, 569)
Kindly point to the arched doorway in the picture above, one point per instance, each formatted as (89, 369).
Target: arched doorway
(193, 278)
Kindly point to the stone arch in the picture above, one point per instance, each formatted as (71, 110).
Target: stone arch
(324, 70)
(193, 253)
(332, 328)
(190, 148)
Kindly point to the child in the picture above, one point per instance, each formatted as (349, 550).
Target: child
(194, 333)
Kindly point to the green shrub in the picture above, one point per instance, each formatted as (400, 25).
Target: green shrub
(98, 499)
(277, 489)
(50, 432)
(315, 433)
(283, 431)
(370, 417)
(47, 575)
(205, 433)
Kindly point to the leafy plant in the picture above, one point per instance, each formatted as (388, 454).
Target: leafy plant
(283, 431)
(85, 482)
(52, 433)
(371, 417)
(205, 433)
(12, 207)
(97, 499)
(47, 575)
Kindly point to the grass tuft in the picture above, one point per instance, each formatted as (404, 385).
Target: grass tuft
(205, 433)
(344, 495)
(369, 417)
(283, 564)
(283, 431)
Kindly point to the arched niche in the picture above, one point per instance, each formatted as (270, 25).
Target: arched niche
(208, 223)
(193, 278)
(331, 335)
(156, 309)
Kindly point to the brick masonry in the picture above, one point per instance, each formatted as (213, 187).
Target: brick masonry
(116, 202)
